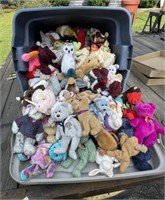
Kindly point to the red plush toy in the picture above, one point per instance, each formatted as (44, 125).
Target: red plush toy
(81, 37)
(130, 98)
(97, 79)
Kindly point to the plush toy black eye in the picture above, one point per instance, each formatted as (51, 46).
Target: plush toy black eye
(59, 111)
(66, 48)
(72, 49)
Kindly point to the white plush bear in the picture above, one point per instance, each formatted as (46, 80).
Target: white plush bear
(28, 130)
(68, 128)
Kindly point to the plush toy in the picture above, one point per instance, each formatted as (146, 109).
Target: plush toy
(129, 148)
(126, 128)
(100, 108)
(86, 154)
(87, 66)
(43, 159)
(104, 55)
(113, 68)
(97, 80)
(112, 121)
(28, 94)
(43, 100)
(28, 130)
(33, 59)
(141, 161)
(97, 37)
(65, 30)
(81, 56)
(57, 157)
(114, 84)
(91, 125)
(68, 63)
(131, 97)
(106, 165)
(146, 128)
(75, 87)
(50, 131)
(81, 33)
(46, 56)
(68, 128)
(116, 104)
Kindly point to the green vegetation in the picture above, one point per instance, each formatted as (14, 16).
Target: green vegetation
(98, 2)
(147, 3)
(59, 2)
(6, 16)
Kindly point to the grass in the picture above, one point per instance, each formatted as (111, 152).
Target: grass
(6, 16)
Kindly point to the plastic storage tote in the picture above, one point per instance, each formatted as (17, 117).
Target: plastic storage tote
(27, 23)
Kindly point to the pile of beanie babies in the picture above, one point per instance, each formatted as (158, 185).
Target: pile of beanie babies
(74, 109)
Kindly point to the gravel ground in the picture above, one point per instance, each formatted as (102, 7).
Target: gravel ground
(155, 191)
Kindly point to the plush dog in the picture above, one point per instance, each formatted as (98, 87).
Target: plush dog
(90, 124)
(68, 128)
(129, 148)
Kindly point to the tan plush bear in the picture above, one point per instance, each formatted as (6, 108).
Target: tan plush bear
(91, 125)
(87, 66)
(50, 131)
(129, 148)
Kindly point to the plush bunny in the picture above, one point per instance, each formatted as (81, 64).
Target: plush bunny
(106, 165)
(68, 128)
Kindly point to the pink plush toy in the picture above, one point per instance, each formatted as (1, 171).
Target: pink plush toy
(146, 128)
(43, 100)
(34, 63)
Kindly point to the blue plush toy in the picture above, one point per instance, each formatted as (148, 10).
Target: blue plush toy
(100, 108)
(126, 128)
(54, 156)
(140, 161)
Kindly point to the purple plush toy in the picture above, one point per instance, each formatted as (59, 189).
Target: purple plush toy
(146, 128)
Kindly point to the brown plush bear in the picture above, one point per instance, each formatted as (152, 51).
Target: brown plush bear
(91, 125)
(88, 65)
(129, 148)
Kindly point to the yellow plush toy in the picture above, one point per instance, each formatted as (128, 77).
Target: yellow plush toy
(129, 148)
(50, 131)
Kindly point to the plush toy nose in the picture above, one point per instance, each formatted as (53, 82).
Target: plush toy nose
(68, 51)
(58, 115)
